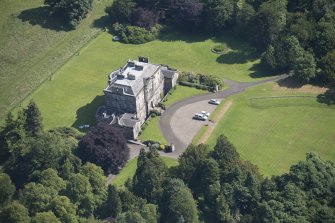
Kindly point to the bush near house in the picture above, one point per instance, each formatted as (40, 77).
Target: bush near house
(200, 81)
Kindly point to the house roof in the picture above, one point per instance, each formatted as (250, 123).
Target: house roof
(130, 78)
(128, 120)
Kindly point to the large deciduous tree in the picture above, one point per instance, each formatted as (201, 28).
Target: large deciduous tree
(305, 67)
(72, 10)
(14, 213)
(105, 146)
(328, 66)
(7, 189)
(120, 10)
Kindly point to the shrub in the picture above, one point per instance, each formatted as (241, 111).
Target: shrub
(220, 48)
(155, 112)
(136, 35)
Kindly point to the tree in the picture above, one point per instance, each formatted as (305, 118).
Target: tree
(7, 189)
(79, 190)
(144, 18)
(33, 123)
(305, 68)
(220, 13)
(325, 41)
(113, 205)
(45, 217)
(64, 209)
(190, 160)
(225, 155)
(328, 66)
(178, 201)
(14, 213)
(104, 146)
(300, 5)
(72, 10)
(150, 173)
(97, 180)
(49, 178)
(37, 198)
(187, 14)
(120, 10)
(270, 20)
(130, 217)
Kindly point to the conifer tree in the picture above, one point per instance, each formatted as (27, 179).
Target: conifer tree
(33, 123)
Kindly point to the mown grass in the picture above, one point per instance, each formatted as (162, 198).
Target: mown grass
(181, 93)
(129, 170)
(33, 46)
(153, 132)
(275, 129)
(72, 95)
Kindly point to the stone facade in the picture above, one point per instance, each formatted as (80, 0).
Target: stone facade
(133, 91)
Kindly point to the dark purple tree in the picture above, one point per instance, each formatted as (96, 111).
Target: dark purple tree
(144, 18)
(187, 13)
(105, 146)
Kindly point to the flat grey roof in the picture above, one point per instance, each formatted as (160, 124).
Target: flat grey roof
(130, 77)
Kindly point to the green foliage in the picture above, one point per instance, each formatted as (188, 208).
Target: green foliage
(14, 213)
(45, 217)
(37, 198)
(130, 217)
(220, 14)
(7, 189)
(49, 178)
(120, 10)
(305, 67)
(33, 123)
(72, 10)
(64, 209)
(328, 66)
(150, 173)
(179, 202)
(113, 206)
(137, 35)
(225, 155)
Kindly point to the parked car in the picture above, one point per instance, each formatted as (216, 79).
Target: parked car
(207, 114)
(200, 116)
(214, 102)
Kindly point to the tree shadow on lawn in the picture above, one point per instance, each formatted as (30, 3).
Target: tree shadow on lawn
(290, 82)
(170, 34)
(86, 114)
(237, 57)
(102, 22)
(327, 98)
(259, 71)
(41, 16)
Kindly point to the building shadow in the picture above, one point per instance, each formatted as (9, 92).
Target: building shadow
(327, 98)
(41, 16)
(86, 113)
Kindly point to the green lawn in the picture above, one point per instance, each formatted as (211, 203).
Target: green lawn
(129, 170)
(275, 133)
(153, 132)
(33, 46)
(181, 93)
(73, 94)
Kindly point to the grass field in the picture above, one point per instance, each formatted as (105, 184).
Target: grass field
(275, 129)
(153, 132)
(181, 93)
(129, 170)
(33, 46)
(74, 92)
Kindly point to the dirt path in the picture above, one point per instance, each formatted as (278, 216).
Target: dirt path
(216, 119)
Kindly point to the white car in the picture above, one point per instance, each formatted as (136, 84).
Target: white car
(204, 113)
(200, 116)
(214, 102)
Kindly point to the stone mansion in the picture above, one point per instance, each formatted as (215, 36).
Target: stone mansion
(133, 91)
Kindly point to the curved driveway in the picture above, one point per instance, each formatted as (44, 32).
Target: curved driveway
(177, 124)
